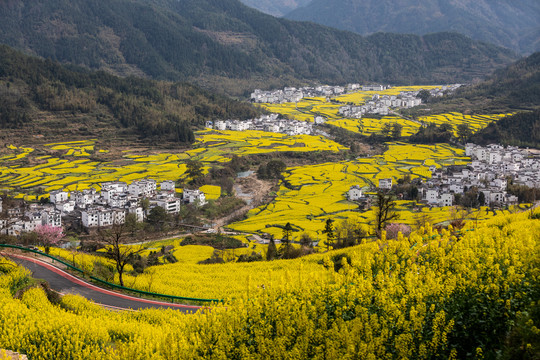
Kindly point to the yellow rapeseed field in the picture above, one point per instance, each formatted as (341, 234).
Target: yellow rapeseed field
(309, 195)
(410, 298)
(74, 170)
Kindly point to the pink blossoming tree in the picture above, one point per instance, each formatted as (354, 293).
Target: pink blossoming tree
(393, 229)
(49, 235)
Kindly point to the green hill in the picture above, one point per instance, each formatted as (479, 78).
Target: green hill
(509, 23)
(226, 45)
(41, 97)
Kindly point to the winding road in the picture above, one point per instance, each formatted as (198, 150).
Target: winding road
(65, 283)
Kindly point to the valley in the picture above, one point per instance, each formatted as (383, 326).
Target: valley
(194, 179)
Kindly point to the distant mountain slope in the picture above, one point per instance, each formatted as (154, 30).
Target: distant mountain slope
(511, 23)
(224, 44)
(42, 97)
(275, 7)
(517, 86)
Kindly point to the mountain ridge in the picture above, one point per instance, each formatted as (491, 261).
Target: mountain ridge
(509, 23)
(213, 42)
(275, 7)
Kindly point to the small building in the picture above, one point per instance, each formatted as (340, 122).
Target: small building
(220, 125)
(66, 206)
(432, 196)
(354, 193)
(194, 196)
(168, 185)
(100, 217)
(385, 184)
(170, 203)
(138, 211)
(84, 198)
(446, 200)
(51, 217)
(115, 186)
(145, 187)
(58, 196)
(372, 88)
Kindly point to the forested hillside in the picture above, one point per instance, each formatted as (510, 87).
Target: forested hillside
(229, 46)
(516, 86)
(43, 97)
(522, 129)
(509, 23)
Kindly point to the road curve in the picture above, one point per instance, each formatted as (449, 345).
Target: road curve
(65, 283)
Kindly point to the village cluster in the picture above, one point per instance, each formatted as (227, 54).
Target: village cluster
(491, 169)
(382, 104)
(292, 94)
(270, 123)
(98, 209)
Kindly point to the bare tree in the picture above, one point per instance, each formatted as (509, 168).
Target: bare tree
(385, 205)
(118, 250)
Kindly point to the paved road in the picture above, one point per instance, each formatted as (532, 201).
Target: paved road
(65, 283)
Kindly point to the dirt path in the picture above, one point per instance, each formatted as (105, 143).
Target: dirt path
(252, 190)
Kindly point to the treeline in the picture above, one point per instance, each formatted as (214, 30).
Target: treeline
(168, 111)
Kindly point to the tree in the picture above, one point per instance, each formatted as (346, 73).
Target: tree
(387, 128)
(158, 217)
(272, 252)
(330, 235)
(481, 199)
(194, 170)
(384, 210)
(463, 132)
(348, 233)
(395, 131)
(393, 229)
(306, 240)
(424, 95)
(132, 225)
(117, 250)
(470, 199)
(271, 170)
(287, 234)
(49, 235)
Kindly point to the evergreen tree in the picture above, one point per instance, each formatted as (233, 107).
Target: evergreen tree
(330, 235)
(287, 234)
(272, 252)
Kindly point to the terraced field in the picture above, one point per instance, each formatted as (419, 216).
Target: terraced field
(70, 166)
